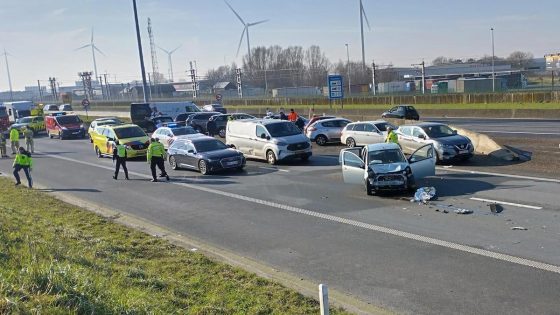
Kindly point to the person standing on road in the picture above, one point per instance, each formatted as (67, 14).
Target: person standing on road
(2, 145)
(28, 136)
(155, 155)
(282, 115)
(120, 155)
(392, 137)
(23, 161)
(292, 116)
(14, 140)
(269, 113)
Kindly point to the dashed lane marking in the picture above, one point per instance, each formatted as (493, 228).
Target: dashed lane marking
(506, 203)
(458, 170)
(341, 220)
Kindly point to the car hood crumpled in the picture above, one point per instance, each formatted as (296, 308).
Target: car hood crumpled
(388, 168)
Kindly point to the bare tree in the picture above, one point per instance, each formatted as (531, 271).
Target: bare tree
(519, 59)
(441, 60)
(317, 66)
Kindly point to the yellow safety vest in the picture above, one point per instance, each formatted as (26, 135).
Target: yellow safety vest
(23, 160)
(14, 135)
(392, 137)
(121, 151)
(155, 149)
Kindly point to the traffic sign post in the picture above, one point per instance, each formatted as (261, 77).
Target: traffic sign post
(85, 104)
(336, 90)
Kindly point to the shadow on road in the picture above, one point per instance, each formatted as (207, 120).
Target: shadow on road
(453, 185)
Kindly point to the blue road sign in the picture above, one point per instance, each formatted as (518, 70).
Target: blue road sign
(336, 90)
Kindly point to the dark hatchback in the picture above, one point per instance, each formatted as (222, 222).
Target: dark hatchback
(204, 154)
(217, 123)
(402, 112)
(199, 121)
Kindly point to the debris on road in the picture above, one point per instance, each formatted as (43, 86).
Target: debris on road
(463, 211)
(496, 208)
(424, 194)
(519, 228)
(447, 166)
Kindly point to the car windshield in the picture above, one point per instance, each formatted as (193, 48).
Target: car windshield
(383, 126)
(191, 108)
(438, 131)
(282, 129)
(25, 120)
(209, 145)
(129, 132)
(183, 131)
(3, 112)
(66, 120)
(386, 156)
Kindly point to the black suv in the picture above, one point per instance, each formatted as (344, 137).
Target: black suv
(199, 121)
(402, 112)
(217, 123)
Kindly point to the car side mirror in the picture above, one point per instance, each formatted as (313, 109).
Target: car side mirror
(263, 136)
(110, 139)
(190, 151)
(454, 132)
(422, 136)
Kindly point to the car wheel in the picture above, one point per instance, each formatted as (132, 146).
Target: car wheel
(369, 189)
(350, 142)
(98, 152)
(271, 157)
(321, 140)
(173, 163)
(222, 132)
(203, 167)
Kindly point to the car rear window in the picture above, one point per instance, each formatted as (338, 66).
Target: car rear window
(183, 131)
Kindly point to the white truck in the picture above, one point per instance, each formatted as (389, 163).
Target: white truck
(19, 109)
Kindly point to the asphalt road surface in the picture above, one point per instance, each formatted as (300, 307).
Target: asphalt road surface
(302, 219)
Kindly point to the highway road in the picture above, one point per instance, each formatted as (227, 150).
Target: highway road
(302, 219)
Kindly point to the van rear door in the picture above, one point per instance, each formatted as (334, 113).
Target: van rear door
(140, 115)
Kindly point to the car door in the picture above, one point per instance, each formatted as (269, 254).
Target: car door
(180, 153)
(189, 156)
(392, 112)
(416, 140)
(353, 167)
(110, 140)
(370, 132)
(405, 135)
(259, 143)
(423, 162)
(358, 134)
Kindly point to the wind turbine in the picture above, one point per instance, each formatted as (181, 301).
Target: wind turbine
(5, 54)
(93, 49)
(169, 53)
(362, 17)
(245, 30)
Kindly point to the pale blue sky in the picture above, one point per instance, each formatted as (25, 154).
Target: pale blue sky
(42, 35)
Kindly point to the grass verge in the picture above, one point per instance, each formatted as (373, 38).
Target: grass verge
(58, 258)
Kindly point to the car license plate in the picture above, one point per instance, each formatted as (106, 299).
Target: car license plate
(300, 152)
(463, 151)
(75, 133)
(232, 163)
(391, 183)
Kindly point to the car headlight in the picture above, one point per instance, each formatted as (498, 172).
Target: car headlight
(443, 146)
(63, 128)
(280, 143)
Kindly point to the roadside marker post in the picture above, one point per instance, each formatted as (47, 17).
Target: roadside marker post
(324, 299)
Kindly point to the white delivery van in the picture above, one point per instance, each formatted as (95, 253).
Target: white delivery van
(271, 140)
(19, 109)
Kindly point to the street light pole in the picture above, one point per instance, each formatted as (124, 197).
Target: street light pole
(493, 68)
(141, 56)
(348, 71)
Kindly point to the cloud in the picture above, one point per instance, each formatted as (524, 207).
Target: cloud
(58, 12)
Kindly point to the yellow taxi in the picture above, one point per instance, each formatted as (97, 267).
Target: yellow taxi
(35, 123)
(130, 135)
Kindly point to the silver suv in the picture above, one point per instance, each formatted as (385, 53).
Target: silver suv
(365, 132)
(326, 130)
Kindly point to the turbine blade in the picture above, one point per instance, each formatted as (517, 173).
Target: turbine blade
(257, 23)
(238, 16)
(91, 35)
(241, 40)
(363, 12)
(165, 51)
(174, 50)
(83, 47)
(95, 47)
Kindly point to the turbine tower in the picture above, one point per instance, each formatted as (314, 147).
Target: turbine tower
(93, 49)
(362, 17)
(155, 70)
(5, 54)
(169, 61)
(245, 31)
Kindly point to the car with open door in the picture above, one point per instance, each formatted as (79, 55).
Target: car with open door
(384, 167)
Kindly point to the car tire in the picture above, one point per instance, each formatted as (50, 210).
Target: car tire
(98, 152)
(271, 157)
(203, 167)
(350, 142)
(222, 132)
(173, 163)
(321, 140)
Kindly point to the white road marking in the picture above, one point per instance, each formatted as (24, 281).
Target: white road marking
(274, 169)
(332, 218)
(506, 203)
(520, 132)
(458, 170)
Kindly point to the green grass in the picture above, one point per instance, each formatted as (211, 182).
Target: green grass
(56, 258)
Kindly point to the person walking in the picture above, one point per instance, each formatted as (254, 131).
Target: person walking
(2, 145)
(292, 116)
(120, 155)
(28, 136)
(23, 161)
(155, 154)
(14, 140)
(392, 137)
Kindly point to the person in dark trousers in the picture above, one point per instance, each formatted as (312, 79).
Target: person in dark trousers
(155, 155)
(23, 161)
(120, 155)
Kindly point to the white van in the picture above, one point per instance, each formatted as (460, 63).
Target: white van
(19, 109)
(270, 139)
